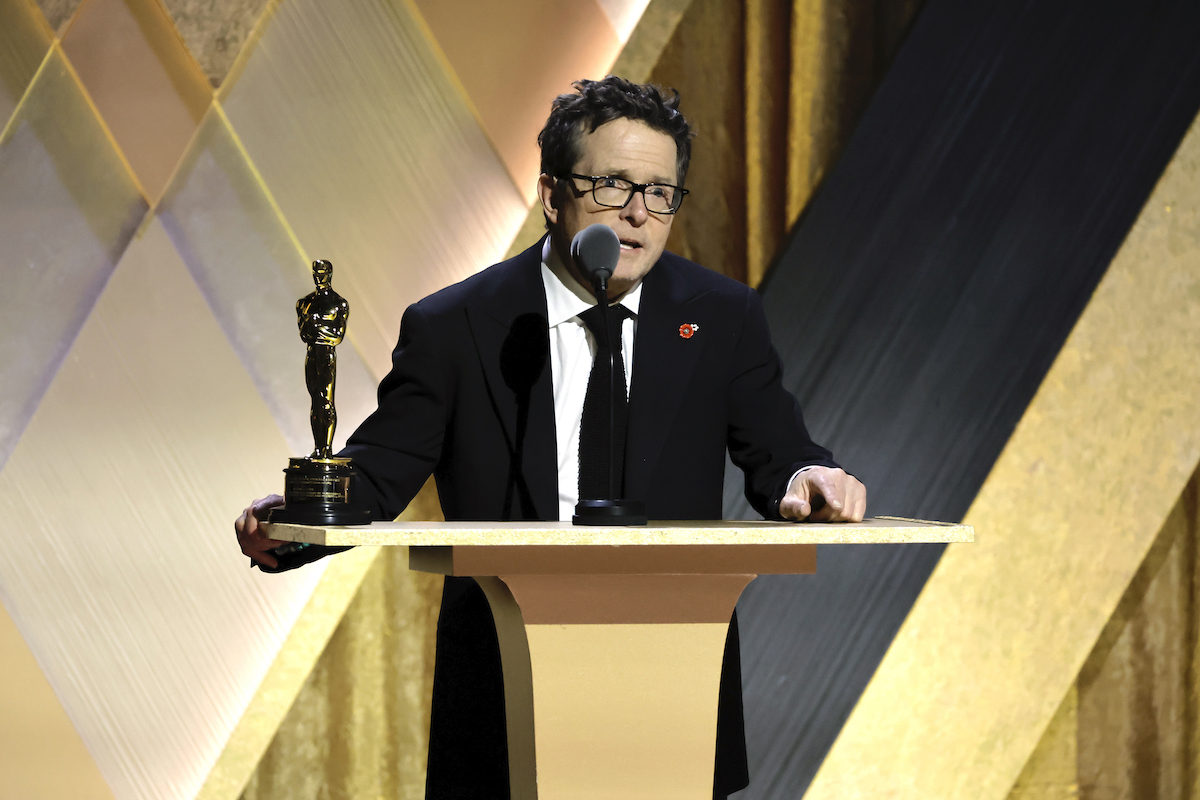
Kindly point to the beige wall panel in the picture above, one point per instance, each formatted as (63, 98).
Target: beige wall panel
(1065, 518)
(24, 40)
(250, 269)
(146, 85)
(215, 30)
(68, 207)
(623, 15)
(41, 755)
(120, 566)
(373, 155)
(514, 58)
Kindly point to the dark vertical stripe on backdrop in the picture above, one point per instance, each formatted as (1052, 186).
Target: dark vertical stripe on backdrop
(925, 293)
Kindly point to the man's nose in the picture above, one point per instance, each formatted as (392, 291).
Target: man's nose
(635, 212)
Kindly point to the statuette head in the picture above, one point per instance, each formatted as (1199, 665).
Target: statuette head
(322, 272)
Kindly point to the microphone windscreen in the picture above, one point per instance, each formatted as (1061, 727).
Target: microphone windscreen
(596, 249)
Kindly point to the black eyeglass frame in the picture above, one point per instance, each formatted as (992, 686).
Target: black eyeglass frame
(634, 188)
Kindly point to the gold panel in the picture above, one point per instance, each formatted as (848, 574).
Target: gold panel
(360, 725)
(24, 40)
(510, 69)
(1051, 772)
(703, 61)
(68, 207)
(215, 32)
(41, 755)
(288, 673)
(1128, 727)
(373, 156)
(146, 85)
(1064, 519)
(120, 567)
(1137, 700)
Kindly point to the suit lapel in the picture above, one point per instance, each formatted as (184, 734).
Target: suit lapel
(512, 339)
(663, 363)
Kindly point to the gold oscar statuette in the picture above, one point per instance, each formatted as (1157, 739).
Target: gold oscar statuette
(317, 488)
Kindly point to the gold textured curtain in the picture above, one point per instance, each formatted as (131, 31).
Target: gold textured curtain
(775, 88)
(1129, 726)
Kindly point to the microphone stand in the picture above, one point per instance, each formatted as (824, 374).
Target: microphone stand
(612, 511)
(606, 322)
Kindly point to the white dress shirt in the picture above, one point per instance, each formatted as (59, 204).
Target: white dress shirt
(572, 350)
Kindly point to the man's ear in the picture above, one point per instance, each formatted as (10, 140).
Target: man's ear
(545, 189)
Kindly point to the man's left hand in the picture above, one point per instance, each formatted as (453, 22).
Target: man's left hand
(845, 496)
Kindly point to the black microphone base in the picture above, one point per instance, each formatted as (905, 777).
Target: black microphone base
(609, 512)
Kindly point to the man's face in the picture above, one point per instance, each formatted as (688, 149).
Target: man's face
(623, 149)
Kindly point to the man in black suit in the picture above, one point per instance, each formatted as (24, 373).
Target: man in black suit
(488, 388)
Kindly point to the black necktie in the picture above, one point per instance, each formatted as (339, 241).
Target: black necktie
(593, 428)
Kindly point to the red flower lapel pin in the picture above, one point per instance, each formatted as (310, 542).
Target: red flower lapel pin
(688, 329)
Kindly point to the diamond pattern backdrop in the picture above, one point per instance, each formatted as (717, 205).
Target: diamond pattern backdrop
(167, 171)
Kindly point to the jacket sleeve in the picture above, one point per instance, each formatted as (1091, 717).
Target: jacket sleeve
(396, 448)
(767, 437)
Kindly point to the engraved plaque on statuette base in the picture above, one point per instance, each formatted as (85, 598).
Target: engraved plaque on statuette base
(317, 492)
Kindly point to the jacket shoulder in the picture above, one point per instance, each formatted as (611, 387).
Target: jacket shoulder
(701, 280)
(489, 284)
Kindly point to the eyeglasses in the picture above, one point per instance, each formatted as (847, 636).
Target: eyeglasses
(610, 192)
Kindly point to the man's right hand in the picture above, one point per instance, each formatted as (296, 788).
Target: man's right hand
(250, 533)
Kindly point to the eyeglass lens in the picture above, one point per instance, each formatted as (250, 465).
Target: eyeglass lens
(659, 198)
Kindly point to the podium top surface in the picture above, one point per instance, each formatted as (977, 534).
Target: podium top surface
(877, 530)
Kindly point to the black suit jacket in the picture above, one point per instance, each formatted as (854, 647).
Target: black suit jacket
(470, 399)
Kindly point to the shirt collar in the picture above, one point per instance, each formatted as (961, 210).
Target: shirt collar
(566, 297)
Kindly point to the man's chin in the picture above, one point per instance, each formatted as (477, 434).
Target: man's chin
(621, 284)
(631, 270)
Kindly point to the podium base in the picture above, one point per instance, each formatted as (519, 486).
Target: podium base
(609, 512)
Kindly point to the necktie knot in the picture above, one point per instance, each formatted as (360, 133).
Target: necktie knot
(617, 314)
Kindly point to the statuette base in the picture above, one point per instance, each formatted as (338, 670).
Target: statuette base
(316, 491)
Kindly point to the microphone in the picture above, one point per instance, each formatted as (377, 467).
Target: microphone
(596, 250)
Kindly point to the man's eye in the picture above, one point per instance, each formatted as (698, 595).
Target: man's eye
(658, 191)
(610, 183)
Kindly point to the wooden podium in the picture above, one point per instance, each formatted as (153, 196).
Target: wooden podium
(612, 639)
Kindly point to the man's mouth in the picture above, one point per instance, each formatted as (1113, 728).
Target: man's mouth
(627, 244)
